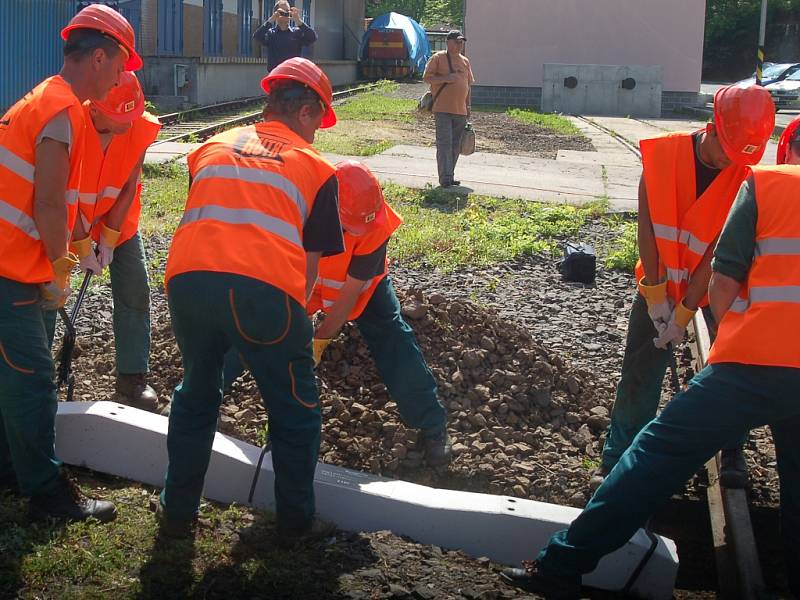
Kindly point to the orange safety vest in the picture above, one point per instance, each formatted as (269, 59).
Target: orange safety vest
(684, 225)
(253, 188)
(757, 329)
(24, 256)
(333, 269)
(104, 174)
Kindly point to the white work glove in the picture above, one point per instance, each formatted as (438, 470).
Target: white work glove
(659, 306)
(55, 293)
(108, 241)
(676, 328)
(86, 256)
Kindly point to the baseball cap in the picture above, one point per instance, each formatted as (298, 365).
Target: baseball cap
(455, 34)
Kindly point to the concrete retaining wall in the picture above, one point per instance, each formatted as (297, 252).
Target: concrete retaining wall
(531, 97)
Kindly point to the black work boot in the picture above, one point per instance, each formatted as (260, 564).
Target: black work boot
(533, 579)
(438, 448)
(132, 390)
(733, 469)
(66, 501)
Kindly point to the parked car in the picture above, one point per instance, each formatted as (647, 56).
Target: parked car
(786, 93)
(773, 72)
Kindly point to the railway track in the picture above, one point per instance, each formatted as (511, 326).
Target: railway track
(198, 124)
(735, 553)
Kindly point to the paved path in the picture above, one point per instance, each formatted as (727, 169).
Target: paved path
(612, 172)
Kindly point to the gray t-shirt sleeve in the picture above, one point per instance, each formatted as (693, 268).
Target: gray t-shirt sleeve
(59, 128)
(735, 249)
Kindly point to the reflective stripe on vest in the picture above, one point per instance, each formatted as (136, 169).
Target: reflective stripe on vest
(16, 165)
(18, 219)
(686, 238)
(259, 176)
(778, 247)
(91, 198)
(243, 216)
(777, 293)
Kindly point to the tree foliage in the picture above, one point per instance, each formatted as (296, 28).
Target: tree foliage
(429, 13)
(731, 36)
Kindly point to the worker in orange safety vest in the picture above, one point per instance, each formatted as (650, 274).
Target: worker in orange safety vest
(109, 206)
(262, 209)
(688, 183)
(41, 148)
(752, 379)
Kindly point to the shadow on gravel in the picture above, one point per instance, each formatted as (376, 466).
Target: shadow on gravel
(264, 566)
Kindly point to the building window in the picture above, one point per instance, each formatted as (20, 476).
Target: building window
(170, 27)
(212, 27)
(245, 10)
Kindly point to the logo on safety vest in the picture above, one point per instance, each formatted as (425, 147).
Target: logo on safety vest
(749, 149)
(253, 145)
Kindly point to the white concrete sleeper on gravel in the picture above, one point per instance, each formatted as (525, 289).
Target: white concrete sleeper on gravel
(131, 443)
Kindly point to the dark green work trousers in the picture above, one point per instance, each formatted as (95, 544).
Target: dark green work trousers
(639, 388)
(27, 390)
(722, 403)
(398, 357)
(212, 313)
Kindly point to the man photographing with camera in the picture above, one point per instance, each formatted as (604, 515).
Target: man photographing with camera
(283, 40)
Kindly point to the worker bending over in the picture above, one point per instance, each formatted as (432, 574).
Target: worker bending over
(118, 134)
(752, 379)
(262, 209)
(688, 184)
(41, 147)
(355, 286)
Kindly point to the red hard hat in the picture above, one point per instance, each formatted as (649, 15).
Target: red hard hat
(744, 117)
(109, 22)
(787, 137)
(306, 72)
(361, 204)
(124, 102)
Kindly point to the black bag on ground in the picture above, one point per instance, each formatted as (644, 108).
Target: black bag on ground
(579, 264)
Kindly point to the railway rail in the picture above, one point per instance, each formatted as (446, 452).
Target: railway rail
(739, 570)
(199, 123)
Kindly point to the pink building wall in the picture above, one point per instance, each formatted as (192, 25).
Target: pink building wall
(510, 40)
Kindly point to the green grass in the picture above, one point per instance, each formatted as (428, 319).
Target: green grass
(164, 191)
(376, 106)
(126, 559)
(552, 122)
(447, 231)
(340, 142)
(624, 251)
(442, 230)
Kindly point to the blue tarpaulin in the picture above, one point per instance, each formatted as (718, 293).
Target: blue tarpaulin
(415, 38)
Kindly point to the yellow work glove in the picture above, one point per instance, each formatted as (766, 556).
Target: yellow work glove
(676, 327)
(88, 259)
(108, 241)
(659, 306)
(319, 348)
(55, 293)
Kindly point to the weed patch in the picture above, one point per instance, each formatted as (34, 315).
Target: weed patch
(164, 191)
(624, 250)
(555, 123)
(447, 231)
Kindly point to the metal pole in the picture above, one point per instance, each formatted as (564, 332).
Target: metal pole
(762, 34)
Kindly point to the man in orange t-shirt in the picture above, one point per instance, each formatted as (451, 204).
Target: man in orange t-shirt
(450, 76)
